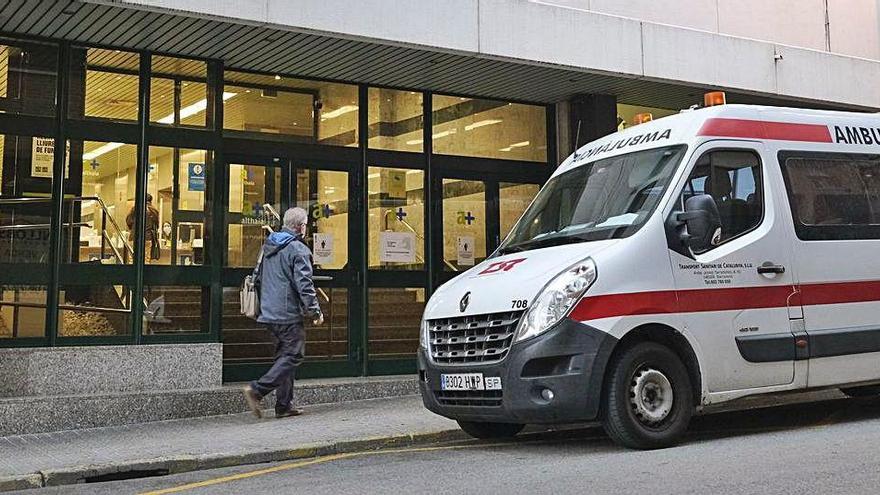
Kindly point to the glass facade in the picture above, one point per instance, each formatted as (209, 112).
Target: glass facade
(489, 129)
(164, 205)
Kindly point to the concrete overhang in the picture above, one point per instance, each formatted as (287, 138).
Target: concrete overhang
(510, 49)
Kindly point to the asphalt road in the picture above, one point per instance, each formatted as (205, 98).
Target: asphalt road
(826, 447)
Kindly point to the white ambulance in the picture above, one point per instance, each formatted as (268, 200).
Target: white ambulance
(722, 252)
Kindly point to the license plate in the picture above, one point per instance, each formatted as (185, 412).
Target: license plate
(469, 381)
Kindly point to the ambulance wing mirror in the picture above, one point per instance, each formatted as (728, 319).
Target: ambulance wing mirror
(702, 223)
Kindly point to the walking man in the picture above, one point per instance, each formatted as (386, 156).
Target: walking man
(287, 296)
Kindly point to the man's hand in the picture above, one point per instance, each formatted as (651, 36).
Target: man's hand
(319, 320)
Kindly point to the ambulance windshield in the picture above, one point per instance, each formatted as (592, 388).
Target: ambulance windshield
(606, 199)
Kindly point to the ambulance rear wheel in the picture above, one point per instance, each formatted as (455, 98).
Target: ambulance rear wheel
(479, 429)
(866, 391)
(648, 399)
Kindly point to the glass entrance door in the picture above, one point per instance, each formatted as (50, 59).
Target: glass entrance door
(259, 191)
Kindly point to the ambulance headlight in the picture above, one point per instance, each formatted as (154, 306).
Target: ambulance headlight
(557, 298)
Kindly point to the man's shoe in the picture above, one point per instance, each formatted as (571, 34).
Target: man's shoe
(253, 400)
(288, 413)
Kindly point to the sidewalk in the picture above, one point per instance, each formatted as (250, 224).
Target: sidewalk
(51, 459)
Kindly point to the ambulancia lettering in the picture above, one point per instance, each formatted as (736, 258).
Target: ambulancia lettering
(856, 135)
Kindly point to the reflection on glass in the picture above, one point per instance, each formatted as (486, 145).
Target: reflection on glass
(246, 341)
(94, 310)
(396, 120)
(101, 214)
(22, 311)
(104, 84)
(25, 171)
(489, 129)
(464, 223)
(176, 215)
(178, 80)
(251, 189)
(177, 309)
(395, 317)
(308, 111)
(513, 201)
(324, 194)
(606, 199)
(396, 218)
(27, 78)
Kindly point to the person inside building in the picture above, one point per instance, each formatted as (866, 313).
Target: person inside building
(151, 230)
(287, 296)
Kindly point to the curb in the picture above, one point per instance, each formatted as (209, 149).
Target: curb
(181, 464)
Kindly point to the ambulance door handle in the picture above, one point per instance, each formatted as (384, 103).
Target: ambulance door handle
(768, 268)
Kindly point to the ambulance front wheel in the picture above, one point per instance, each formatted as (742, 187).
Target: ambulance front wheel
(648, 400)
(480, 429)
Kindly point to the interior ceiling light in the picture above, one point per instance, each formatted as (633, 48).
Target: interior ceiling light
(100, 150)
(413, 142)
(482, 123)
(444, 134)
(339, 111)
(190, 110)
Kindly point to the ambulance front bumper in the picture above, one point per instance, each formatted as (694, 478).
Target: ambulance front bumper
(553, 378)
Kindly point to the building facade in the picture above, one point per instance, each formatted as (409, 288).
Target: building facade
(415, 133)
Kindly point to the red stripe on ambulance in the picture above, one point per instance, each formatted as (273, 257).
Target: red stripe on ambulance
(699, 300)
(759, 129)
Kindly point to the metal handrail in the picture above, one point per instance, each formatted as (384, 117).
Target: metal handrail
(106, 215)
(41, 226)
(418, 236)
(91, 309)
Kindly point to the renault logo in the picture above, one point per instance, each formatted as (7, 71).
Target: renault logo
(463, 304)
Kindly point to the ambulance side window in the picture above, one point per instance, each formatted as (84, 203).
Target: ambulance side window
(834, 196)
(733, 179)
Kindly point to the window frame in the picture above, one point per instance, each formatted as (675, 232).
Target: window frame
(759, 186)
(809, 233)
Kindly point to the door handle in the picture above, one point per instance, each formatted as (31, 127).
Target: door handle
(769, 267)
(322, 278)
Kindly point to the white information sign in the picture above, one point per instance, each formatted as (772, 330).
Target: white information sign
(43, 154)
(465, 250)
(397, 247)
(323, 244)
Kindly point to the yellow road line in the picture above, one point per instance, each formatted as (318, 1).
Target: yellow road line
(320, 460)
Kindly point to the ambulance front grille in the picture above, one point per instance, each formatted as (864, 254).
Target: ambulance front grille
(472, 339)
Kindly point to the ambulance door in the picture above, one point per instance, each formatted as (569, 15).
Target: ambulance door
(835, 199)
(734, 296)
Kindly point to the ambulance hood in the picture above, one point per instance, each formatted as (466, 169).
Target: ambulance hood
(494, 285)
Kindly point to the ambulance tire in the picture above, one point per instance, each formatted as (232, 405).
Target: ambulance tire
(654, 371)
(866, 391)
(483, 430)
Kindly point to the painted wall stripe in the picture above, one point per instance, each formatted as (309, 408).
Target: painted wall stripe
(759, 129)
(727, 299)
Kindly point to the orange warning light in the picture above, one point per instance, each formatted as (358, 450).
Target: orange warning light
(714, 98)
(641, 118)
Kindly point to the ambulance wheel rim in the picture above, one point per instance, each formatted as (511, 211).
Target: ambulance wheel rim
(651, 396)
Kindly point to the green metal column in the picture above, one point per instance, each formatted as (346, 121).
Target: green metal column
(140, 196)
(58, 166)
(361, 273)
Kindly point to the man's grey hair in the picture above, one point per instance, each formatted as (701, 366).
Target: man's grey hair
(294, 218)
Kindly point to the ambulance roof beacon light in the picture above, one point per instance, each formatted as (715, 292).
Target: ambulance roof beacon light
(557, 298)
(713, 98)
(641, 118)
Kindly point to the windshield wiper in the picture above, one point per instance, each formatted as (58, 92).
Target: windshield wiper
(542, 242)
